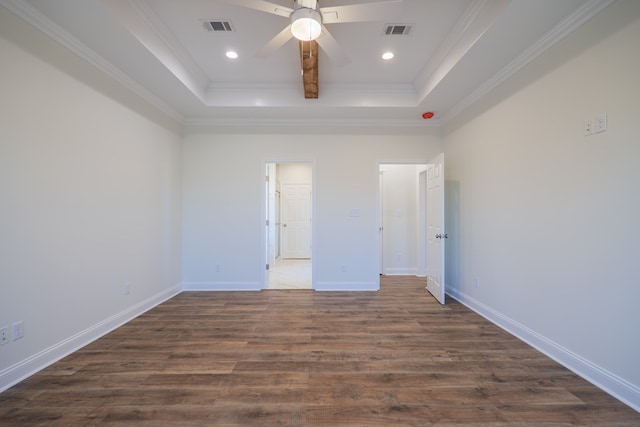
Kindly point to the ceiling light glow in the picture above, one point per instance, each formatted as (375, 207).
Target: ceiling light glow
(232, 55)
(387, 56)
(306, 24)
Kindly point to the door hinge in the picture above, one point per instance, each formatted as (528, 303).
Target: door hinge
(267, 266)
(266, 178)
(267, 221)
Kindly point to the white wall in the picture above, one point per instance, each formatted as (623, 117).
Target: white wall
(89, 200)
(223, 189)
(547, 218)
(91, 191)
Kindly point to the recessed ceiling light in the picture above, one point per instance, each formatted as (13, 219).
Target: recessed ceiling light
(232, 55)
(387, 56)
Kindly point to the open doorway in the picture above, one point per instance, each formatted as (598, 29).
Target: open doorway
(289, 206)
(402, 213)
(412, 232)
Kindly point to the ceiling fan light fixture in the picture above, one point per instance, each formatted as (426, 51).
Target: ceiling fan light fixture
(306, 24)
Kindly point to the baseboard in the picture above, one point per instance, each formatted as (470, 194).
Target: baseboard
(400, 271)
(24, 369)
(601, 378)
(346, 286)
(254, 286)
(221, 286)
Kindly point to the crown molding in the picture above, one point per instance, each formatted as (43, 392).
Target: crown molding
(164, 33)
(277, 87)
(476, 20)
(407, 97)
(448, 45)
(581, 15)
(139, 19)
(290, 95)
(59, 35)
(329, 123)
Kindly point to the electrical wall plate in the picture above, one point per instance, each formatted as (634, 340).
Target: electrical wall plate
(600, 123)
(4, 335)
(17, 330)
(588, 128)
(595, 125)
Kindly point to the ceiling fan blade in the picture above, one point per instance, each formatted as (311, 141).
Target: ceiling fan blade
(275, 43)
(331, 47)
(263, 6)
(388, 10)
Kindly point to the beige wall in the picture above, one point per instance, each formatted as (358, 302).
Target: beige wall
(223, 188)
(547, 218)
(98, 189)
(89, 200)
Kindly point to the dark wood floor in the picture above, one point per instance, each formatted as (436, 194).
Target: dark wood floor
(304, 358)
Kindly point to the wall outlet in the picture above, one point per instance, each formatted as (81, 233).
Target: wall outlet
(476, 281)
(343, 268)
(126, 288)
(4, 335)
(588, 127)
(217, 268)
(17, 330)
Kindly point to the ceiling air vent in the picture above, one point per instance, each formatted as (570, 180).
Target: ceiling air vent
(397, 29)
(219, 25)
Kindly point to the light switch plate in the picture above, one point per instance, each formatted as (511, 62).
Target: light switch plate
(17, 330)
(601, 123)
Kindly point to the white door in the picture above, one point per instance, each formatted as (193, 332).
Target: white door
(296, 221)
(435, 228)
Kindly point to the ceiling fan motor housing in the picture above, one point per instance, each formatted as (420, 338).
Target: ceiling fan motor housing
(306, 23)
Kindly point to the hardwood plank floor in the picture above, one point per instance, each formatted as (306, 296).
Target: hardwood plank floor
(303, 358)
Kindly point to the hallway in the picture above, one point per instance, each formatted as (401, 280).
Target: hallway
(290, 274)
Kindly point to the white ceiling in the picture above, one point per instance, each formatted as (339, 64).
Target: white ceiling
(457, 51)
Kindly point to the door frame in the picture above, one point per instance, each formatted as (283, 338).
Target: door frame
(264, 242)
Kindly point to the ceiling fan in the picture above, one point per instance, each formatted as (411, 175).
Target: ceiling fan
(306, 23)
